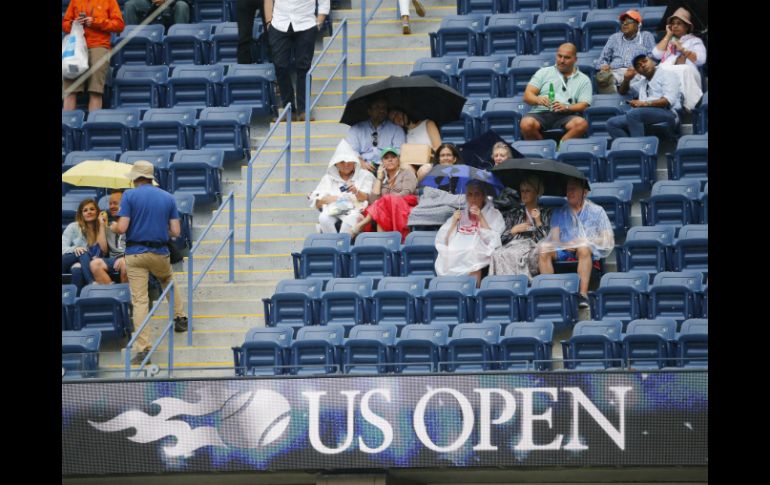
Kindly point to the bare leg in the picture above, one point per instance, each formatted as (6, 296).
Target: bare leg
(584, 268)
(530, 128)
(70, 101)
(477, 275)
(361, 225)
(545, 262)
(99, 269)
(94, 102)
(576, 128)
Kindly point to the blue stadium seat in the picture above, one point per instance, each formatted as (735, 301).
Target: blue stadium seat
(68, 210)
(503, 116)
(207, 11)
(507, 33)
(144, 47)
(68, 294)
(187, 44)
(375, 254)
(369, 349)
(110, 130)
(704, 205)
(457, 36)
(418, 254)
(536, 148)
(615, 199)
(553, 297)
(265, 351)
(159, 158)
(465, 7)
(671, 203)
(585, 63)
(676, 295)
(521, 71)
(196, 86)
(472, 348)
(649, 344)
(71, 124)
(526, 5)
(480, 76)
(106, 308)
(626, 4)
(442, 69)
(466, 128)
(690, 160)
(701, 116)
(420, 348)
(225, 128)
(501, 299)
(397, 300)
(167, 129)
(80, 353)
(593, 345)
(577, 4)
(585, 154)
(446, 300)
(185, 205)
(322, 256)
(139, 87)
(633, 159)
(691, 249)
(598, 26)
(250, 85)
(224, 41)
(692, 343)
(620, 296)
(652, 16)
(344, 301)
(292, 305)
(317, 350)
(552, 29)
(197, 172)
(646, 248)
(603, 107)
(526, 346)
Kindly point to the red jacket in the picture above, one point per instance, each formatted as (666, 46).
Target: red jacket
(106, 15)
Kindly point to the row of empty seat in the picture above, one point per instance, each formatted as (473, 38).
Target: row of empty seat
(503, 6)
(653, 249)
(106, 308)
(201, 11)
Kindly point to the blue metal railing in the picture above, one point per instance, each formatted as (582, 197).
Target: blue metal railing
(364, 22)
(342, 63)
(166, 331)
(230, 238)
(286, 149)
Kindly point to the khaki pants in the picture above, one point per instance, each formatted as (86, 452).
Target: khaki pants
(138, 269)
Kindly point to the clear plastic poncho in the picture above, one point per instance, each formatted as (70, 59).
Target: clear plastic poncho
(588, 228)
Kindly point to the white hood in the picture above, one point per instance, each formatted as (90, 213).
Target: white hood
(343, 153)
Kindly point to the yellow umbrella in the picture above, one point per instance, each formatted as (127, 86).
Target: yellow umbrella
(99, 173)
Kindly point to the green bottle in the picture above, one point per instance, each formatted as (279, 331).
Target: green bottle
(551, 96)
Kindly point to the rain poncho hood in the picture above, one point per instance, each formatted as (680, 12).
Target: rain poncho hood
(590, 227)
(332, 181)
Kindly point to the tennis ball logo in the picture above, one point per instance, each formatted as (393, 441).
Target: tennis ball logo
(254, 419)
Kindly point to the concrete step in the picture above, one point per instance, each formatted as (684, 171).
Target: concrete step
(274, 261)
(374, 67)
(355, 81)
(387, 49)
(319, 163)
(238, 289)
(262, 230)
(304, 184)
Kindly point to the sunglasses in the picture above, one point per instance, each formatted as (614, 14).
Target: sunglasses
(375, 137)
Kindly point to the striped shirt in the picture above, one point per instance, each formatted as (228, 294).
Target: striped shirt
(619, 51)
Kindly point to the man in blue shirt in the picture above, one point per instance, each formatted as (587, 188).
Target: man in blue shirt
(658, 99)
(148, 216)
(378, 131)
(620, 50)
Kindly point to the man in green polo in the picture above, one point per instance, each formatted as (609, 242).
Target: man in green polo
(572, 94)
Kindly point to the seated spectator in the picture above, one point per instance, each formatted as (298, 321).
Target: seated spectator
(99, 19)
(572, 94)
(436, 205)
(620, 49)
(80, 241)
(466, 241)
(377, 131)
(343, 191)
(418, 132)
(392, 197)
(501, 152)
(116, 243)
(178, 12)
(525, 226)
(658, 99)
(580, 231)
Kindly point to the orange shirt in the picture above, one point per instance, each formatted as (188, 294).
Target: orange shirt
(106, 15)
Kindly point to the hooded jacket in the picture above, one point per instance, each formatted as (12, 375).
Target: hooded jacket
(107, 19)
(332, 181)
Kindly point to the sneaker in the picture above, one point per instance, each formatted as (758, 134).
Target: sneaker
(418, 8)
(405, 26)
(180, 324)
(582, 301)
(139, 357)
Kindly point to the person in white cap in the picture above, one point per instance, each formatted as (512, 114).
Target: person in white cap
(343, 191)
(148, 217)
(620, 48)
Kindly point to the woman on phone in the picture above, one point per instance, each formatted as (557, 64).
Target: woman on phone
(81, 240)
(682, 52)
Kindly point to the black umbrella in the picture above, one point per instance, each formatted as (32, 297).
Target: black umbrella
(478, 152)
(553, 174)
(420, 97)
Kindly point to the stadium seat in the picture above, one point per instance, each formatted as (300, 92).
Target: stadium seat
(446, 300)
(160, 159)
(71, 124)
(420, 348)
(503, 116)
(196, 86)
(552, 29)
(457, 36)
(649, 344)
(207, 11)
(521, 71)
(465, 7)
(526, 346)
(322, 256)
(603, 107)
(375, 254)
(110, 130)
(418, 254)
(652, 16)
(676, 295)
(527, 5)
(701, 116)
(501, 299)
(597, 28)
(691, 249)
(536, 148)
(197, 172)
(480, 76)
(292, 305)
(615, 199)
(251, 85)
(553, 297)
(265, 351)
(442, 69)
(692, 344)
(227, 129)
(80, 353)
(593, 345)
(143, 48)
(690, 160)
(508, 34)
(472, 348)
(344, 301)
(466, 128)
(620, 296)
(187, 44)
(397, 300)
(68, 294)
(626, 4)
(224, 41)
(317, 350)
(646, 248)
(185, 205)
(369, 349)
(167, 129)
(704, 205)
(577, 4)
(633, 159)
(671, 203)
(585, 154)
(106, 308)
(139, 87)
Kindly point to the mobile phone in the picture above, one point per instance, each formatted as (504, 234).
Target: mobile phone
(344, 188)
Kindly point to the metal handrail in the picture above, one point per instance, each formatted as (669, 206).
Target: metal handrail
(166, 331)
(191, 286)
(309, 105)
(364, 22)
(285, 114)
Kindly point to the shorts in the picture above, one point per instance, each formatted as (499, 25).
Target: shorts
(95, 81)
(110, 262)
(564, 255)
(550, 121)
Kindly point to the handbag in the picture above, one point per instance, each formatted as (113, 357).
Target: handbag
(175, 255)
(74, 53)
